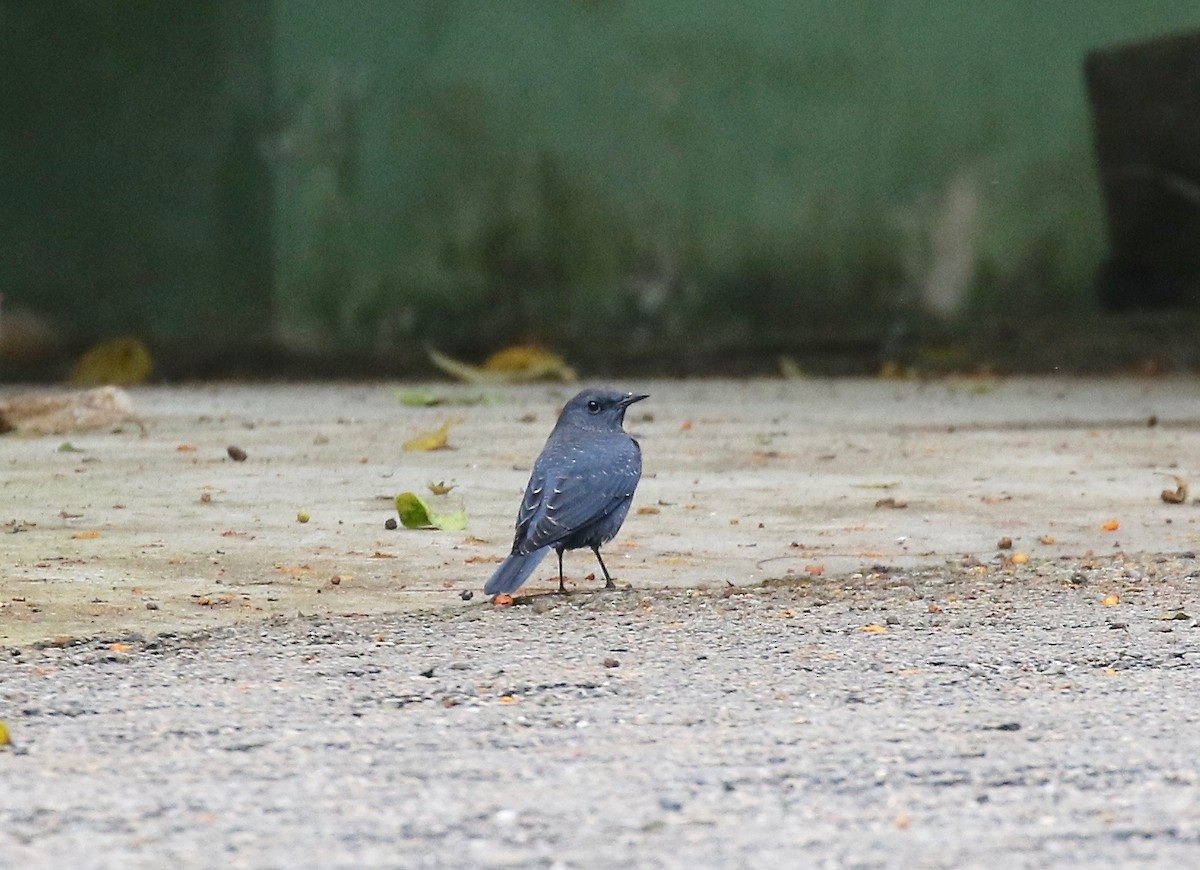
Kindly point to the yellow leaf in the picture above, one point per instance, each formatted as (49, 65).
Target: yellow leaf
(1111, 600)
(121, 361)
(874, 629)
(436, 440)
(1111, 525)
(85, 536)
(439, 488)
(1019, 558)
(513, 365)
(5, 739)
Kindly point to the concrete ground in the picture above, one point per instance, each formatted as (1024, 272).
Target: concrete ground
(822, 658)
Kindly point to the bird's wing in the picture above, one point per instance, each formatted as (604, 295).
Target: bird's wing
(563, 498)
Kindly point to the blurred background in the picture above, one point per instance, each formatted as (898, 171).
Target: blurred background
(318, 188)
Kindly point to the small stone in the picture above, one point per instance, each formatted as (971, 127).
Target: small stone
(390, 524)
(466, 594)
(1004, 543)
(236, 453)
(152, 605)
(302, 517)
(610, 662)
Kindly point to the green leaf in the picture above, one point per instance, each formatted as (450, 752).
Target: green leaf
(418, 399)
(415, 514)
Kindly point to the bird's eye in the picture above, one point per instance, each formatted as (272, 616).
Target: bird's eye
(593, 407)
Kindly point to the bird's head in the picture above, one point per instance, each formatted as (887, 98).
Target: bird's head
(602, 410)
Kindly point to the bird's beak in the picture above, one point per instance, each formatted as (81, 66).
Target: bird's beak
(633, 397)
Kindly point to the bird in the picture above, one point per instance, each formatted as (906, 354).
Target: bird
(579, 491)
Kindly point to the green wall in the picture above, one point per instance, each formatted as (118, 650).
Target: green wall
(780, 164)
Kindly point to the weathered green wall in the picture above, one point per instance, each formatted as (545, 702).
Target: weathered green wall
(133, 193)
(777, 164)
(359, 173)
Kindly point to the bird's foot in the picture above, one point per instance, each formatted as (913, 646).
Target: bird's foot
(609, 584)
(562, 590)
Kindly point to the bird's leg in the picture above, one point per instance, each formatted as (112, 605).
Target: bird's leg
(561, 586)
(608, 581)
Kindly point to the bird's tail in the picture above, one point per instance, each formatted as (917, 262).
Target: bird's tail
(512, 572)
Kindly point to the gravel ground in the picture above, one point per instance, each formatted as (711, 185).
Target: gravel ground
(826, 657)
(941, 718)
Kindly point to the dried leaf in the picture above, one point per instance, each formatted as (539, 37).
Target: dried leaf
(1179, 494)
(1046, 539)
(1111, 600)
(874, 628)
(436, 440)
(1111, 526)
(1019, 558)
(644, 511)
(439, 488)
(891, 503)
(85, 536)
(514, 365)
(120, 361)
(5, 739)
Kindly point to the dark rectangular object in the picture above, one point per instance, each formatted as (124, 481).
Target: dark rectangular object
(1146, 109)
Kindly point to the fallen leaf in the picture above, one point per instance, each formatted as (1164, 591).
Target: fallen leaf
(874, 628)
(513, 365)
(789, 369)
(814, 570)
(120, 647)
(121, 361)
(1111, 526)
(439, 488)
(415, 514)
(416, 399)
(1178, 495)
(1111, 600)
(890, 503)
(5, 739)
(647, 510)
(1177, 615)
(85, 536)
(1019, 558)
(436, 440)
(1046, 539)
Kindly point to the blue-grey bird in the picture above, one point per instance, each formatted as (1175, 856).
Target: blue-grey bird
(579, 491)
